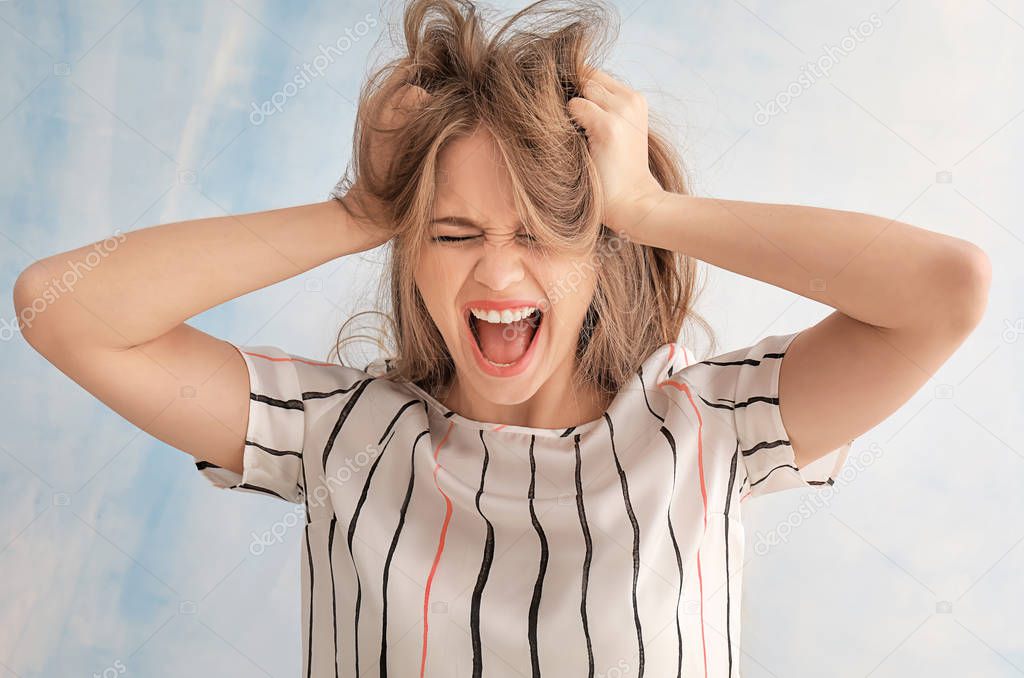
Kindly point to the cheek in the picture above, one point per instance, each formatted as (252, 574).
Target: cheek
(428, 273)
(569, 285)
(438, 277)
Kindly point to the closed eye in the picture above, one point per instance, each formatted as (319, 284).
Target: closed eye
(463, 238)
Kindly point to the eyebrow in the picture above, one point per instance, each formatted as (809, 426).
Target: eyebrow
(456, 220)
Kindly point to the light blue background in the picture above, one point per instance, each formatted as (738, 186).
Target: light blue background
(115, 554)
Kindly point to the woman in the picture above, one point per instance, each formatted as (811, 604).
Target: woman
(539, 477)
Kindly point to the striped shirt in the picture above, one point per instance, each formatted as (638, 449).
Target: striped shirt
(438, 545)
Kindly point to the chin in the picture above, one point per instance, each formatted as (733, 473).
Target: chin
(508, 391)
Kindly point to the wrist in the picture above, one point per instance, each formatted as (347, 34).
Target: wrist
(361, 225)
(632, 217)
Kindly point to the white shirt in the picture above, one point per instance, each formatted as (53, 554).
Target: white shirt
(442, 546)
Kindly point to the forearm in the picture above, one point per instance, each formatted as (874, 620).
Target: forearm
(879, 271)
(139, 285)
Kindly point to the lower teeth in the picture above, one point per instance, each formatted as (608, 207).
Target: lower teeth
(535, 330)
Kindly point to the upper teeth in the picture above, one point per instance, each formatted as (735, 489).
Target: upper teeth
(507, 315)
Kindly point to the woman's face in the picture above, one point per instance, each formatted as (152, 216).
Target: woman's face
(493, 270)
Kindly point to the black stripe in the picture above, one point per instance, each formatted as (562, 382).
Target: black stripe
(586, 558)
(675, 547)
(343, 417)
(771, 400)
(250, 486)
(391, 554)
(773, 471)
(643, 389)
(334, 597)
(745, 361)
(316, 395)
(567, 431)
(732, 478)
(355, 519)
(394, 419)
(636, 542)
(274, 402)
(206, 464)
(270, 450)
(538, 586)
(485, 570)
(732, 405)
(728, 587)
(719, 406)
(309, 560)
(764, 445)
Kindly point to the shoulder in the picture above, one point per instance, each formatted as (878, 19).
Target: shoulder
(729, 376)
(303, 381)
(723, 388)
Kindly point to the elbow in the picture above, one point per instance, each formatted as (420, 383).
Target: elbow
(968, 276)
(31, 299)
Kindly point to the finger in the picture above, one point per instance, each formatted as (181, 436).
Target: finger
(599, 94)
(403, 103)
(409, 97)
(589, 116)
(413, 96)
(608, 82)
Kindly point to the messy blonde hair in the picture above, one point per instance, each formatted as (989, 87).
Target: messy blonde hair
(516, 82)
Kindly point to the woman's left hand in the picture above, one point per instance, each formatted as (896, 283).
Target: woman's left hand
(614, 118)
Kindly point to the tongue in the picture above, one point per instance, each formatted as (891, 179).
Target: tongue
(504, 343)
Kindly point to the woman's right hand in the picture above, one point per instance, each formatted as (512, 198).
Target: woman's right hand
(381, 136)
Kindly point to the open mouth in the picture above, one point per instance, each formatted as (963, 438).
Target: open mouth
(504, 338)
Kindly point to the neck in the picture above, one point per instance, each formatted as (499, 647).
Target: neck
(556, 404)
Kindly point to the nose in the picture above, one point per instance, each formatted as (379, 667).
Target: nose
(499, 266)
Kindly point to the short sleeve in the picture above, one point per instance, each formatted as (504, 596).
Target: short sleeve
(764, 444)
(272, 457)
(338, 192)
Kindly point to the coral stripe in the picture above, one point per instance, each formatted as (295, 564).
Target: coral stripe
(289, 360)
(440, 548)
(677, 384)
(704, 498)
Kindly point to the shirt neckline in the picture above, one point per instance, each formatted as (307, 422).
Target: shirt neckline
(458, 419)
(379, 366)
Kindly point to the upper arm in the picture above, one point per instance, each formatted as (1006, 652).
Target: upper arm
(187, 388)
(841, 377)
